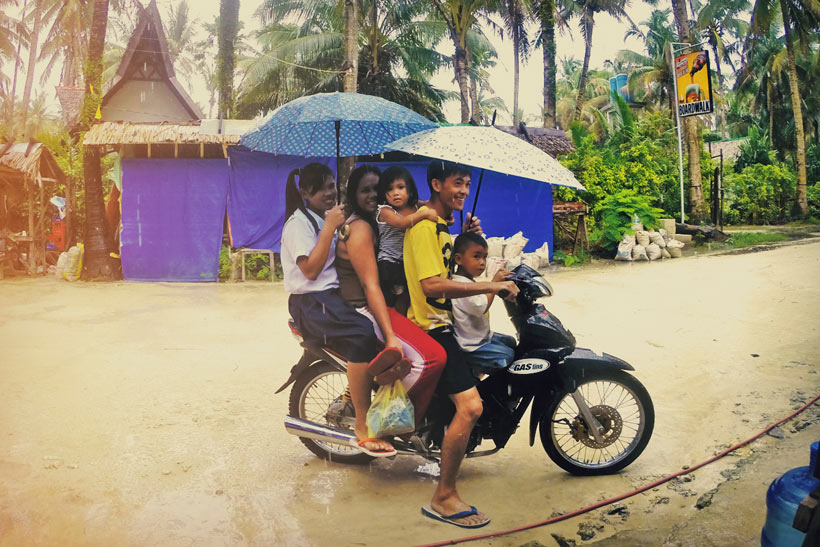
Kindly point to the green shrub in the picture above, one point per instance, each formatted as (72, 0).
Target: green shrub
(746, 239)
(256, 266)
(761, 194)
(617, 213)
(814, 200)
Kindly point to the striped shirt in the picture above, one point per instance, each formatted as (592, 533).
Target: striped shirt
(391, 240)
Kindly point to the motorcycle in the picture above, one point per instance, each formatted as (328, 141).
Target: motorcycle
(593, 416)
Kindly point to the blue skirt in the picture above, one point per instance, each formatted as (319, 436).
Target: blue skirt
(325, 319)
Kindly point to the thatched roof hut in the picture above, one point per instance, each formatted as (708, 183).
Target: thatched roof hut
(552, 141)
(25, 163)
(203, 139)
(28, 172)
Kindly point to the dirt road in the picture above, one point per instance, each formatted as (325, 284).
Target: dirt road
(143, 414)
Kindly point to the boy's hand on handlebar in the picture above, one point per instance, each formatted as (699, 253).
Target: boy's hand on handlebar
(506, 290)
(335, 217)
(502, 275)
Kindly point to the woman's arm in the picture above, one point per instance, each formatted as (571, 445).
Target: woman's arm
(392, 218)
(363, 258)
(313, 264)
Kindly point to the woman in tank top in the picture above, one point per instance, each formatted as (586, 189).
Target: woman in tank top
(359, 286)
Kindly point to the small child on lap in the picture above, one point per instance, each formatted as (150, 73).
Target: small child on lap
(484, 349)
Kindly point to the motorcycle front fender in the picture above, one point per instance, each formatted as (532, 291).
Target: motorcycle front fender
(571, 372)
(582, 359)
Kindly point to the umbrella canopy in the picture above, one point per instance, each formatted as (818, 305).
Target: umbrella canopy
(334, 124)
(487, 148)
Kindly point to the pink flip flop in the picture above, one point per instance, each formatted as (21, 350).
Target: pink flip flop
(396, 372)
(383, 361)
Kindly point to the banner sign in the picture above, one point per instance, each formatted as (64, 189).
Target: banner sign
(693, 85)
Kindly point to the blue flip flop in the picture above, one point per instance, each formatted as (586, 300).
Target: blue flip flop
(429, 512)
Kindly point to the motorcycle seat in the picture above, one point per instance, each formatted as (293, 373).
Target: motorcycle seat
(314, 348)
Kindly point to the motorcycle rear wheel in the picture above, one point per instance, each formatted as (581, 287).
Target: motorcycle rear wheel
(622, 405)
(310, 398)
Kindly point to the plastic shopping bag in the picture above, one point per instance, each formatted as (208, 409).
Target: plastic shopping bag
(391, 412)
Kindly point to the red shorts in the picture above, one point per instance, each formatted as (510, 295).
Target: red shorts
(425, 354)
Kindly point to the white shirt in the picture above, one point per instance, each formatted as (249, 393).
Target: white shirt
(471, 318)
(298, 239)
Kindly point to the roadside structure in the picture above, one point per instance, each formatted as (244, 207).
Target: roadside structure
(145, 87)
(28, 173)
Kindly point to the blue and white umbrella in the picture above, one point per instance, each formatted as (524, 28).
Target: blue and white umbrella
(334, 124)
(487, 147)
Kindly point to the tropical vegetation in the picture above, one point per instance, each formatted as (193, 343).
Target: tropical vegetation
(765, 57)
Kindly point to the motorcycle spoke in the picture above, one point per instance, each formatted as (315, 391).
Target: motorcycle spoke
(611, 397)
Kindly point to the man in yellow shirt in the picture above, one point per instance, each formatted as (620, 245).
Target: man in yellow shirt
(428, 251)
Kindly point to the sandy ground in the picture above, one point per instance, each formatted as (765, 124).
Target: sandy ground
(144, 414)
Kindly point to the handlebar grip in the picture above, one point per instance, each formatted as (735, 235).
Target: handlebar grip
(503, 293)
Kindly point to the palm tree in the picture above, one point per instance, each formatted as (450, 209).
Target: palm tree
(482, 57)
(226, 59)
(801, 18)
(66, 39)
(180, 30)
(97, 241)
(32, 62)
(595, 92)
(585, 10)
(304, 55)
(761, 76)
(515, 13)
(718, 20)
(650, 75)
(462, 16)
(697, 204)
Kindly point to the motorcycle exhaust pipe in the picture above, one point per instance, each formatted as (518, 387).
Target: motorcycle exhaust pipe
(318, 432)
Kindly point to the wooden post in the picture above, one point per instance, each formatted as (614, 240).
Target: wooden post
(30, 255)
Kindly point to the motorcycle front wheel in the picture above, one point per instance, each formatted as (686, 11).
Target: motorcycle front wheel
(624, 409)
(318, 396)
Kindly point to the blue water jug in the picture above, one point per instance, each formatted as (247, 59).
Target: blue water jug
(782, 499)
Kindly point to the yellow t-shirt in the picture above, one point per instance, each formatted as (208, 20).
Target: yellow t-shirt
(428, 251)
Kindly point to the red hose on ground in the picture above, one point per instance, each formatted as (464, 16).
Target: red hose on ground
(600, 504)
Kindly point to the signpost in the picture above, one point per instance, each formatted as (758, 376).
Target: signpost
(693, 92)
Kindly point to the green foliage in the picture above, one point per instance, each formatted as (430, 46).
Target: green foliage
(570, 259)
(617, 213)
(747, 239)
(761, 194)
(755, 150)
(814, 200)
(640, 155)
(225, 263)
(813, 163)
(257, 266)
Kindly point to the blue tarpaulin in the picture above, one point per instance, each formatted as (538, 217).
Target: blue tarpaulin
(173, 210)
(173, 213)
(256, 202)
(256, 206)
(506, 204)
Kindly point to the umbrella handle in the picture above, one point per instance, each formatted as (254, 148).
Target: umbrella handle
(338, 125)
(477, 191)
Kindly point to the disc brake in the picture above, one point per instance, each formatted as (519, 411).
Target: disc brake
(611, 425)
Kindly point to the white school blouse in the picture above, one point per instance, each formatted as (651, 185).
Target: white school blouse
(298, 239)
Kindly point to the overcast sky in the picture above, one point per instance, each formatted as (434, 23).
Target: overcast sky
(608, 39)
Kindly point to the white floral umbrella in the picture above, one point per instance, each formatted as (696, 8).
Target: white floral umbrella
(487, 147)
